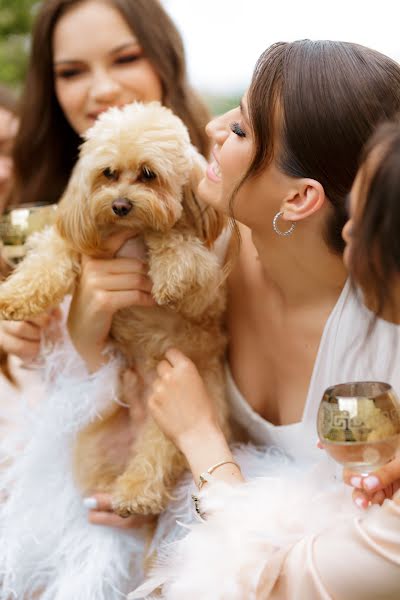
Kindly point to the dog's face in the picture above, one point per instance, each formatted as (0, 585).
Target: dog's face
(132, 172)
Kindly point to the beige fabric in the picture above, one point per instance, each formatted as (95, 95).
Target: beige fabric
(354, 561)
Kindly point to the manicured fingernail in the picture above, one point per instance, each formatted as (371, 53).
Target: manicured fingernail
(371, 482)
(360, 502)
(356, 482)
(90, 503)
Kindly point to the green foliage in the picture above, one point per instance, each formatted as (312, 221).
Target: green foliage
(221, 104)
(16, 18)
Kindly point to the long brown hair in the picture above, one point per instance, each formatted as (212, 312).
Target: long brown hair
(375, 247)
(46, 147)
(8, 100)
(322, 100)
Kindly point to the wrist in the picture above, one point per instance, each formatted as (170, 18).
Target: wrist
(203, 448)
(207, 434)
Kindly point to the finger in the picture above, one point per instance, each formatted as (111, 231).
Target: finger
(22, 348)
(383, 477)
(126, 281)
(99, 502)
(175, 357)
(114, 242)
(163, 368)
(112, 520)
(114, 265)
(117, 300)
(352, 478)
(22, 330)
(360, 499)
(380, 496)
(41, 321)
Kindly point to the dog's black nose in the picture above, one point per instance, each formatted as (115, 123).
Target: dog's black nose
(122, 207)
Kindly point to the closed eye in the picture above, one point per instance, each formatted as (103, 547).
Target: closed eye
(235, 128)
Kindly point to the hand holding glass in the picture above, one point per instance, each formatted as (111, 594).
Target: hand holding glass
(359, 424)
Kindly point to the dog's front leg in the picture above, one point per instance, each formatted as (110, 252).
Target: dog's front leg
(41, 280)
(186, 275)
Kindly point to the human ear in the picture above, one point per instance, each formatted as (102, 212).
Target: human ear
(305, 199)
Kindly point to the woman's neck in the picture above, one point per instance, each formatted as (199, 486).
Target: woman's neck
(301, 268)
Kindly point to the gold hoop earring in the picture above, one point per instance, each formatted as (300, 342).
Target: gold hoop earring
(276, 228)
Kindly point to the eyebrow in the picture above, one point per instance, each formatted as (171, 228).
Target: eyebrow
(69, 61)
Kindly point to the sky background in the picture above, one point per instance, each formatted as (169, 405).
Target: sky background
(223, 38)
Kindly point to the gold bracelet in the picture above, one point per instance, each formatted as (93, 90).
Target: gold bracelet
(204, 476)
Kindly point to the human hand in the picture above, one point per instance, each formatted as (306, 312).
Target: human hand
(106, 285)
(22, 338)
(377, 486)
(101, 513)
(179, 402)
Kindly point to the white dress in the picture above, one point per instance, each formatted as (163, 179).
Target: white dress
(291, 532)
(345, 353)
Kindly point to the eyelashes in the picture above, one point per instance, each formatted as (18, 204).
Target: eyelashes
(237, 130)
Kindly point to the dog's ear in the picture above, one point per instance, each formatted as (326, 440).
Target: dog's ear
(207, 222)
(74, 222)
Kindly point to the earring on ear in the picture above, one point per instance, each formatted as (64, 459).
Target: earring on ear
(276, 228)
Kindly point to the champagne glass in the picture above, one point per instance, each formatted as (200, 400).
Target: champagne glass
(17, 224)
(359, 424)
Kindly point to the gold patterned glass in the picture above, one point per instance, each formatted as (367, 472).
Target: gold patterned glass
(359, 424)
(17, 224)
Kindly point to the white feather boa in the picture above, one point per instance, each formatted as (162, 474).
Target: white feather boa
(248, 526)
(48, 550)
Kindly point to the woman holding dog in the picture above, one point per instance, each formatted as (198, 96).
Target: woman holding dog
(73, 75)
(283, 164)
(352, 557)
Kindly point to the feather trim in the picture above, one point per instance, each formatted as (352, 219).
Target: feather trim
(248, 526)
(47, 547)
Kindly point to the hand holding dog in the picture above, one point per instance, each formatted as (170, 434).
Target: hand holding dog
(22, 338)
(184, 411)
(106, 285)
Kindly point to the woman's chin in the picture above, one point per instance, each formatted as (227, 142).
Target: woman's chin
(210, 193)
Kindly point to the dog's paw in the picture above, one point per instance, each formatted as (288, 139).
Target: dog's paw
(13, 309)
(138, 498)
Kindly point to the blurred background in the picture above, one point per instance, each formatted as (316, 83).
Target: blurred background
(223, 38)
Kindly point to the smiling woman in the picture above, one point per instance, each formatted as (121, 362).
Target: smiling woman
(74, 75)
(90, 79)
(88, 56)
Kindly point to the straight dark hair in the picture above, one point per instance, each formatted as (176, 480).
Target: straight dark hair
(375, 249)
(46, 147)
(321, 100)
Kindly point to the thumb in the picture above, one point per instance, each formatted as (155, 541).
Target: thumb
(116, 241)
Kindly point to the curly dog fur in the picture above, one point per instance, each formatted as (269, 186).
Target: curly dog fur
(136, 170)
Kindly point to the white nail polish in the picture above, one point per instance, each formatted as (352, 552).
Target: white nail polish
(356, 482)
(359, 502)
(90, 503)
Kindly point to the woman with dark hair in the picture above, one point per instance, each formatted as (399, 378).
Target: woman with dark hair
(73, 75)
(372, 255)
(283, 165)
(8, 130)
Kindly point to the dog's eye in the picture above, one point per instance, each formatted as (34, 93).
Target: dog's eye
(110, 174)
(147, 174)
